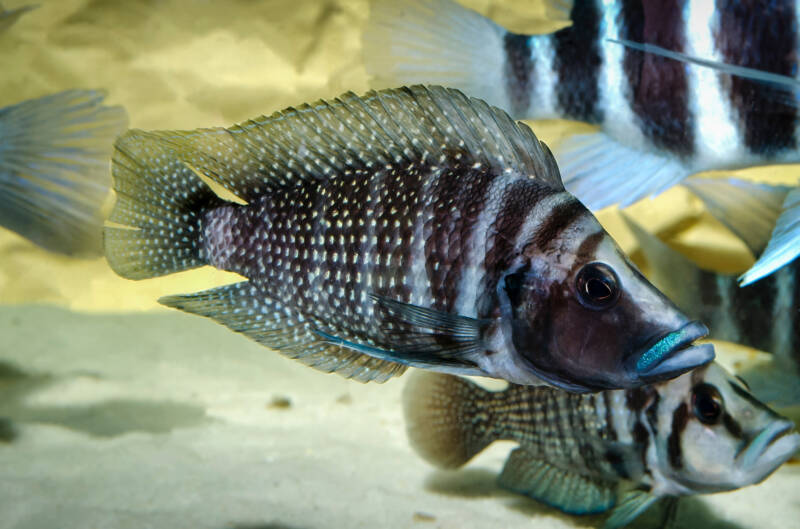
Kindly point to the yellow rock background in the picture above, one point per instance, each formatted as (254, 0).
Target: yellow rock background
(198, 63)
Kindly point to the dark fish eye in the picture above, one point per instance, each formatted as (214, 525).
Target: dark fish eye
(707, 403)
(597, 286)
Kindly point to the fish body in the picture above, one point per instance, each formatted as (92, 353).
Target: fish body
(411, 226)
(676, 87)
(617, 451)
(54, 169)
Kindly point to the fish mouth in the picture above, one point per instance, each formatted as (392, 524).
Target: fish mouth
(674, 354)
(778, 437)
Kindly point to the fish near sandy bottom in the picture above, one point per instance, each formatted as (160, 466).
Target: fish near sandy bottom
(408, 227)
(618, 451)
(676, 88)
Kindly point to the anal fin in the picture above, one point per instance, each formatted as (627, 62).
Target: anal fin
(564, 490)
(244, 308)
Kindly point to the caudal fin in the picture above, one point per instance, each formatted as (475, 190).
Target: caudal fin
(446, 418)
(54, 169)
(161, 200)
(435, 42)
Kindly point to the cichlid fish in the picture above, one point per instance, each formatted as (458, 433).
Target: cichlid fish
(54, 169)
(412, 226)
(9, 16)
(618, 451)
(677, 87)
(764, 315)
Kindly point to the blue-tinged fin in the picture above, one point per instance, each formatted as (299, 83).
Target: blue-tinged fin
(631, 505)
(783, 246)
(562, 489)
(8, 17)
(246, 309)
(789, 85)
(421, 337)
(749, 209)
(602, 172)
(55, 156)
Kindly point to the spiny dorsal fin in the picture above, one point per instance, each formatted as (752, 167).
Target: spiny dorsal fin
(403, 126)
(567, 491)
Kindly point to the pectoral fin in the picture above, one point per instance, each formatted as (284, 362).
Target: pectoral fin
(559, 488)
(630, 506)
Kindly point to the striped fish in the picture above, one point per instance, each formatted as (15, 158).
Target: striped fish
(676, 86)
(412, 226)
(764, 315)
(618, 451)
(54, 169)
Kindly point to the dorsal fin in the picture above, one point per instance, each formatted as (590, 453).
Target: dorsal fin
(400, 126)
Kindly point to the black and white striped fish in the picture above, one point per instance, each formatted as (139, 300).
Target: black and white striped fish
(764, 315)
(411, 226)
(676, 86)
(55, 154)
(617, 451)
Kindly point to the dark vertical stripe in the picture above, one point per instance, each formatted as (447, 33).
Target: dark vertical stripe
(761, 35)
(680, 418)
(611, 429)
(752, 308)
(658, 87)
(518, 69)
(459, 196)
(578, 62)
(517, 201)
(559, 219)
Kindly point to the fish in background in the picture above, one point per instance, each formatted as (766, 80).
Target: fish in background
(55, 154)
(9, 16)
(676, 87)
(764, 315)
(408, 227)
(619, 451)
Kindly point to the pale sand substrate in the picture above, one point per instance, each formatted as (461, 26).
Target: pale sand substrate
(165, 420)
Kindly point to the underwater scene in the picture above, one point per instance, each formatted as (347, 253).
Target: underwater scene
(399, 263)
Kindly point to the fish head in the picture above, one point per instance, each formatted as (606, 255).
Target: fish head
(715, 436)
(585, 319)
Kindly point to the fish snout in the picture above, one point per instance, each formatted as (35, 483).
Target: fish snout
(672, 354)
(771, 447)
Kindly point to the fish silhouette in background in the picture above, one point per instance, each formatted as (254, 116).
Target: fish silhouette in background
(676, 87)
(407, 227)
(55, 154)
(614, 451)
(764, 315)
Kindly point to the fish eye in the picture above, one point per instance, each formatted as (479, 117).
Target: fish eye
(707, 403)
(597, 286)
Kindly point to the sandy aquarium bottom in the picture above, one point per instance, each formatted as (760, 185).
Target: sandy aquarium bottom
(163, 420)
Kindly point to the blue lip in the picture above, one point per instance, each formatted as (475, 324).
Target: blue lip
(672, 344)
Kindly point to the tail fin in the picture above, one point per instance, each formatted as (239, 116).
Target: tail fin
(446, 418)
(435, 42)
(162, 196)
(54, 176)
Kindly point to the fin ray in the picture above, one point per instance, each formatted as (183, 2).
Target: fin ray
(559, 488)
(54, 174)
(631, 505)
(784, 244)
